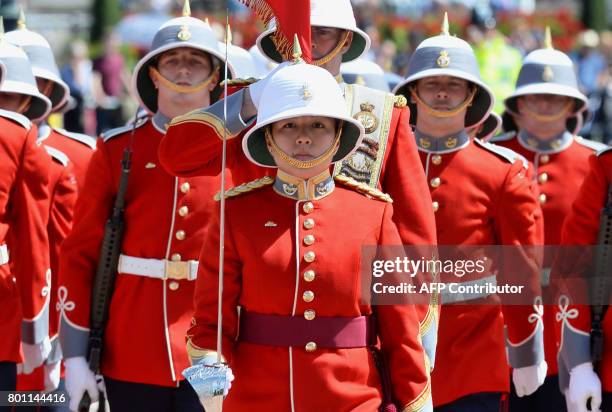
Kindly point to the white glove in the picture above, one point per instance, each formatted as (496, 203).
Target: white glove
(33, 355)
(79, 378)
(529, 378)
(197, 377)
(210, 360)
(584, 384)
(52, 375)
(571, 406)
(256, 89)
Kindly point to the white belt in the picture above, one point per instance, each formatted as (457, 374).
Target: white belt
(4, 256)
(449, 297)
(158, 268)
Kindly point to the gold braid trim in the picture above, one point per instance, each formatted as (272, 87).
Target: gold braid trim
(238, 82)
(432, 309)
(246, 187)
(400, 101)
(196, 354)
(265, 13)
(363, 188)
(444, 114)
(325, 59)
(430, 317)
(24, 104)
(544, 118)
(299, 164)
(182, 89)
(421, 400)
(208, 119)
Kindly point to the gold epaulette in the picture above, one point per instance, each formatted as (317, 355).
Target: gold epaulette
(239, 82)
(246, 187)
(363, 188)
(400, 101)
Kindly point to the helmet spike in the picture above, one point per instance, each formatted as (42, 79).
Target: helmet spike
(21, 22)
(548, 44)
(186, 9)
(297, 49)
(445, 27)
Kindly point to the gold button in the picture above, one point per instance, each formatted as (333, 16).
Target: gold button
(435, 182)
(436, 159)
(309, 256)
(435, 206)
(180, 235)
(543, 178)
(310, 347)
(309, 223)
(308, 296)
(310, 314)
(308, 207)
(183, 210)
(176, 257)
(544, 159)
(309, 275)
(542, 198)
(309, 240)
(185, 187)
(173, 285)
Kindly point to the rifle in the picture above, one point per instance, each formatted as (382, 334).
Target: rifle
(104, 281)
(601, 285)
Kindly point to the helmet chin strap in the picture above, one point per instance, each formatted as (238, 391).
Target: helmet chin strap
(24, 105)
(48, 88)
(444, 113)
(544, 118)
(299, 164)
(325, 59)
(178, 88)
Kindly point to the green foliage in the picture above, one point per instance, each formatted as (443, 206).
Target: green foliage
(594, 14)
(105, 13)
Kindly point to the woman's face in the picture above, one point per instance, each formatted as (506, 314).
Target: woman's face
(304, 138)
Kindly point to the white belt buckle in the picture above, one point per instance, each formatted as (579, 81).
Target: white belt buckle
(176, 270)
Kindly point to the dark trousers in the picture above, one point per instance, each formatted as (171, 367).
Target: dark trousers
(8, 380)
(606, 402)
(548, 398)
(135, 397)
(477, 402)
(49, 408)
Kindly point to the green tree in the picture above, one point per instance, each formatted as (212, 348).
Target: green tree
(594, 14)
(105, 13)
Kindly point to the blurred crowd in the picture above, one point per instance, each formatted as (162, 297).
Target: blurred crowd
(500, 31)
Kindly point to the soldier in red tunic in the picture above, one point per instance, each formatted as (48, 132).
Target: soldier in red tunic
(62, 189)
(481, 197)
(165, 216)
(24, 210)
(581, 227)
(386, 160)
(546, 104)
(78, 147)
(302, 338)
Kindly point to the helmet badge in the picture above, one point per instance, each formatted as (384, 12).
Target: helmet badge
(367, 117)
(184, 34)
(548, 74)
(443, 59)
